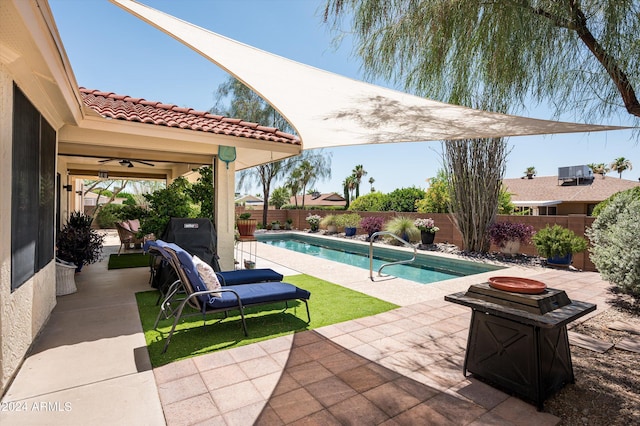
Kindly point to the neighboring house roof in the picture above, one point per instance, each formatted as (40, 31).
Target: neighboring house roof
(249, 199)
(331, 199)
(547, 190)
(123, 107)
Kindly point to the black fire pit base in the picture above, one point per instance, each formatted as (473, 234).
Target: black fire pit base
(528, 361)
(518, 342)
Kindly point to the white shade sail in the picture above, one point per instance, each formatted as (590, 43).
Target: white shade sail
(329, 110)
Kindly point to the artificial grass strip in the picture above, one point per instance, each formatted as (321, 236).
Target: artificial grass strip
(329, 304)
(128, 260)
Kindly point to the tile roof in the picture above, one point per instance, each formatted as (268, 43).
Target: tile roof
(544, 188)
(122, 107)
(330, 199)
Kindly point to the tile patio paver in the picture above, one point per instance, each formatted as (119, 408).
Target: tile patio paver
(347, 372)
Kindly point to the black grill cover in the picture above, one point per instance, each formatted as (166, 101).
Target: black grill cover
(197, 236)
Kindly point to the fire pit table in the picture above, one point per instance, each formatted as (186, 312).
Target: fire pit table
(518, 342)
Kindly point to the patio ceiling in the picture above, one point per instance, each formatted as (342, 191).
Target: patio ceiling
(329, 110)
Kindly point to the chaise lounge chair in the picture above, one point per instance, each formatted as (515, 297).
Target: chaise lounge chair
(191, 290)
(236, 277)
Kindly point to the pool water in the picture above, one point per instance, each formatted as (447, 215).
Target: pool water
(426, 268)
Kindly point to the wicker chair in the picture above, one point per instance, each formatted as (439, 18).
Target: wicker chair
(127, 237)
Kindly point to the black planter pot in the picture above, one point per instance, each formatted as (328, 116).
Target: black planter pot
(427, 237)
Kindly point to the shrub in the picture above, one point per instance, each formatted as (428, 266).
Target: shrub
(502, 232)
(403, 227)
(372, 202)
(371, 224)
(164, 204)
(635, 193)
(349, 220)
(404, 199)
(557, 241)
(108, 215)
(128, 212)
(615, 244)
(329, 220)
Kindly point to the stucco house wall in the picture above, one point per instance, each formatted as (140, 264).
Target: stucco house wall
(24, 311)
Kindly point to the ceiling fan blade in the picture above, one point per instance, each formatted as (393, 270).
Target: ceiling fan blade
(144, 162)
(106, 161)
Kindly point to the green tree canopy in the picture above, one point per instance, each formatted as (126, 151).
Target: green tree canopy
(579, 55)
(436, 198)
(372, 202)
(404, 199)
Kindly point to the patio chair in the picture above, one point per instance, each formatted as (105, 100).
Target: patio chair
(191, 290)
(162, 274)
(127, 236)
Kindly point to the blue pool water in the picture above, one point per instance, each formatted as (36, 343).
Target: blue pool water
(426, 269)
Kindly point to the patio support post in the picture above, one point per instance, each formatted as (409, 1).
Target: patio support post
(224, 211)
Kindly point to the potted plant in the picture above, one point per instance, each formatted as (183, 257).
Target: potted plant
(558, 244)
(509, 235)
(275, 225)
(427, 229)
(350, 222)
(78, 243)
(314, 221)
(372, 224)
(329, 221)
(404, 228)
(246, 225)
(288, 224)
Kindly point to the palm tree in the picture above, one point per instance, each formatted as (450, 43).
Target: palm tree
(620, 165)
(600, 168)
(371, 180)
(530, 172)
(358, 173)
(348, 185)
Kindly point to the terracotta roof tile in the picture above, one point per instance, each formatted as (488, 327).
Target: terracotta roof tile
(123, 107)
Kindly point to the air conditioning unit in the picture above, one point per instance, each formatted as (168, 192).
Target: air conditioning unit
(574, 174)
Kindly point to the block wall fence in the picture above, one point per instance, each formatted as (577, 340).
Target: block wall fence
(448, 232)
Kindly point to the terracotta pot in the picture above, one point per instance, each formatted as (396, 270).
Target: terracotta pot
(246, 227)
(511, 247)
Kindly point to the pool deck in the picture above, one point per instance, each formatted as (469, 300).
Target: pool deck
(403, 366)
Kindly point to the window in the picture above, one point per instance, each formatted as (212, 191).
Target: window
(32, 190)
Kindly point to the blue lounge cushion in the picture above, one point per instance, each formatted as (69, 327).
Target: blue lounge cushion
(246, 276)
(257, 294)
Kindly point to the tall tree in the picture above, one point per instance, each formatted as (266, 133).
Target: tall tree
(578, 55)
(348, 185)
(620, 165)
(358, 173)
(371, 180)
(237, 100)
(475, 169)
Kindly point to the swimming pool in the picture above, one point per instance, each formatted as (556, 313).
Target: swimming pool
(426, 268)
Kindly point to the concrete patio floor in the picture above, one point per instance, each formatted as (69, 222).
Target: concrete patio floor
(90, 364)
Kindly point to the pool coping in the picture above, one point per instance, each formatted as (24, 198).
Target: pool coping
(399, 291)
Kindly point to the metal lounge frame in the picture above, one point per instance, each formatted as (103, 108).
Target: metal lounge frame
(185, 292)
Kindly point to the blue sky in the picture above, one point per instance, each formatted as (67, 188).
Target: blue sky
(113, 51)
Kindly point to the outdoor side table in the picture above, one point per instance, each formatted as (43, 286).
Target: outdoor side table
(518, 342)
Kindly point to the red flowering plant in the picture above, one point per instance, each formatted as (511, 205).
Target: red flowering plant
(502, 232)
(372, 224)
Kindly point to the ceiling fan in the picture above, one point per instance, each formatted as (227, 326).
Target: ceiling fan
(125, 162)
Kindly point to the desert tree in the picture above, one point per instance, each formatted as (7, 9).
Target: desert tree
(580, 56)
(475, 169)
